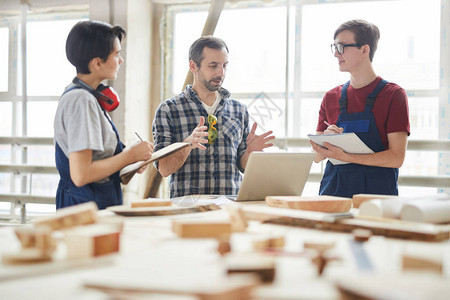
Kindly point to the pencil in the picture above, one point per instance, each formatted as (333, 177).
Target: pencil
(138, 136)
(328, 124)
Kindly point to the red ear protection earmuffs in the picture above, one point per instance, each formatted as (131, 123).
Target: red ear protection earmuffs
(107, 97)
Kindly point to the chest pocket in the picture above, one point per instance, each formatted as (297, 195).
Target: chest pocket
(355, 126)
(231, 129)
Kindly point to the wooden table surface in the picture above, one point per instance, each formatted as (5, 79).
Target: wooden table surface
(151, 254)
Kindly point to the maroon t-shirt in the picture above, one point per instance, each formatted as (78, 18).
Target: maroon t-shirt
(390, 109)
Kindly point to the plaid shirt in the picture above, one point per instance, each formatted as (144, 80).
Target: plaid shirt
(215, 170)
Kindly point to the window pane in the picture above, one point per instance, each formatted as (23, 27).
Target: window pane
(44, 184)
(5, 154)
(258, 53)
(420, 163)
(40, 118)
(423, 114)
(268, 113)
(6, 118)
(255, 65)
(5, 183)
(41, 155)
(407, 55)
(49, 71)
(4, 58)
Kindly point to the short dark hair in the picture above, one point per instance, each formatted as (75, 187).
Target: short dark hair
(90, 39)
(209, 41)
(365, 33)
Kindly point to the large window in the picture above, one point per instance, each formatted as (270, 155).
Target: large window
(281, 64)
(48, 72)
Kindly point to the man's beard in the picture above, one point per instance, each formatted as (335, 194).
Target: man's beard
(211, 87)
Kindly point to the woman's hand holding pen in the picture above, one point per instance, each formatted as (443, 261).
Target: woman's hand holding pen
(332, 129)
(141, 151)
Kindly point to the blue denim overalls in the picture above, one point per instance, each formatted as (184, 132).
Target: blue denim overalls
(348, 179)
(104, 194)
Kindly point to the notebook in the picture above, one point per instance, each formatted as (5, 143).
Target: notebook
(274, 174)
(348, 141)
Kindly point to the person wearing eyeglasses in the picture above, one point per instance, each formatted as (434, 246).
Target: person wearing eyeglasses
(216, 125)
(374, 109)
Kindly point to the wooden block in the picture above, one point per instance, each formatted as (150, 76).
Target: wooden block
(124, 210)
(237, 219)
(114, 221)
(40, 238)
(201, 228)
(44, 240)
(25, 256)
(267, 242)
(263, 266)
(328, 204)
(26, 236)
(378, 226)
(151, 203)
(224, 247)
(81, 214)
(320, 247)
(360, 198)
(361, 235)
(420, 263)
(92, 240)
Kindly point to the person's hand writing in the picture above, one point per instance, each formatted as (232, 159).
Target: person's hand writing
(141, 151)
(258, 142)
(333, 129)
(197, 137)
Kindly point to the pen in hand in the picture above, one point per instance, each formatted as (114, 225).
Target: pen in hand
(326, 123)
(139, 136)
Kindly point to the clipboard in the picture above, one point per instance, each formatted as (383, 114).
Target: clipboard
(128, 172)
(348, 141)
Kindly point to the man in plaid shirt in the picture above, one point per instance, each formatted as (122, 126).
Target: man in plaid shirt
(215, 125)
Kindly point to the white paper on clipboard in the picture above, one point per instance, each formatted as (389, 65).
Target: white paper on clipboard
(348, 141)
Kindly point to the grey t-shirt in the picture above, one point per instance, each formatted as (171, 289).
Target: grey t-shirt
(81, 124)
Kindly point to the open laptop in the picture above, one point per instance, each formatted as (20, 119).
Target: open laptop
(274, 174)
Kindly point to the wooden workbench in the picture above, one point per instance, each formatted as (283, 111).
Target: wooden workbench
(152, 255)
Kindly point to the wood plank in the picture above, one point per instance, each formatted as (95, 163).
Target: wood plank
(151, 202)
(201, 228)
(378, 226)
(236, 287)
(124, 210)
(360, 198)
(263, 266)
(329, 204)
(72, 216)
(410, 262)
(91, 241)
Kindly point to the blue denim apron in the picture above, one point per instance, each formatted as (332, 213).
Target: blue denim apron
(348, 179)
(104, 194)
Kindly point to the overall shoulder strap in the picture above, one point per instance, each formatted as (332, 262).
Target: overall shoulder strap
(372, 97)
(343, 99)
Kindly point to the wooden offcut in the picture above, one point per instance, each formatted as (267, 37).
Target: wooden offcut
(201, 228)
(237, 219)
(150, 203)
(91, 241)
(328, 204)
(360, 198)
(410, 262)
(263, 266)
(81, 214)
(378, 226)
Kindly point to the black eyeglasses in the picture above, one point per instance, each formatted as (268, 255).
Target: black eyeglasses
(340, 47)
